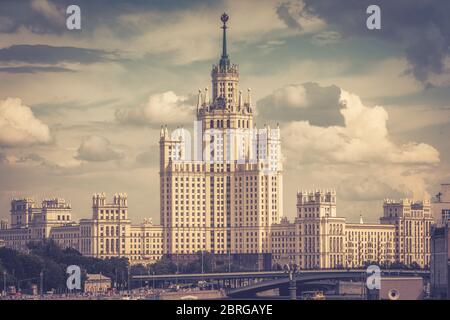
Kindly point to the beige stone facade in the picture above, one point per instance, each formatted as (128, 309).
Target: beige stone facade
(284, 242)
(367, 243)
(318, 238)
(320, 232)
(221, 188)
(412, 221)
(31, 221)
(109, 233)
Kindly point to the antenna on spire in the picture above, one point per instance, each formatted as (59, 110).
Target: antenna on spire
(224, 61)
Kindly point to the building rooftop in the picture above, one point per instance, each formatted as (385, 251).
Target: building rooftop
(96, 277)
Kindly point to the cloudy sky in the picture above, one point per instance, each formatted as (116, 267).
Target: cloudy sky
(366, 112)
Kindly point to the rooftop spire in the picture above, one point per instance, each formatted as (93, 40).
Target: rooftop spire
(224, 61)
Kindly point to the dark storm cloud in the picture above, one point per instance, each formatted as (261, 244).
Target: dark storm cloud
(45, 54)
(33, 69)
(285, 14)
(303, 102)
(60, 108)
(435, 97)
(16, 14)
(421, 27)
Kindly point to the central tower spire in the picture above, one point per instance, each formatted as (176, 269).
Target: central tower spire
(224, 61)
(225, 78)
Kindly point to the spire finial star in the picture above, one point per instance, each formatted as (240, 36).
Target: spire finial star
(224, 18)
(224, 61)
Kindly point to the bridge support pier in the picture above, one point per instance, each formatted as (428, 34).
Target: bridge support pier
(292, 270)
(292, 290)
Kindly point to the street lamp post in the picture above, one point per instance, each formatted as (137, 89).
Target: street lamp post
(153, 286)
(153, 280)
(41, 280)
(122, 280)
(129, 280)
(4, 282)
(116, 281)
(292, 269)
(203, 268)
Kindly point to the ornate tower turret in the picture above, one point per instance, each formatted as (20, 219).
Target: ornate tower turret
(225, 76)
(21, 212)
(225, 107)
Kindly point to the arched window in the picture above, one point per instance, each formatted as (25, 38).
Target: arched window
(218, 123)
(228, 124)
(211, 124)
(239, 123)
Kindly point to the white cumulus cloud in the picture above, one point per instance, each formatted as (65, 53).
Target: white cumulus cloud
(160, 108)
(18, 125)
(291, 96)
(97, 148)
(363, 138)
(357, 155)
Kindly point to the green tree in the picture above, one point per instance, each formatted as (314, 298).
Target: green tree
(415, 266)
(398, 265)
(54, 276)
(139, 269)
(163, 266)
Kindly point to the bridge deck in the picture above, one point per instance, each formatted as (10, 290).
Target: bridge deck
(317, 275)
(264, 275)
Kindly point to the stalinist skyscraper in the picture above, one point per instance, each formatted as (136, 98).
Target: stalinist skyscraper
(221, 188)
